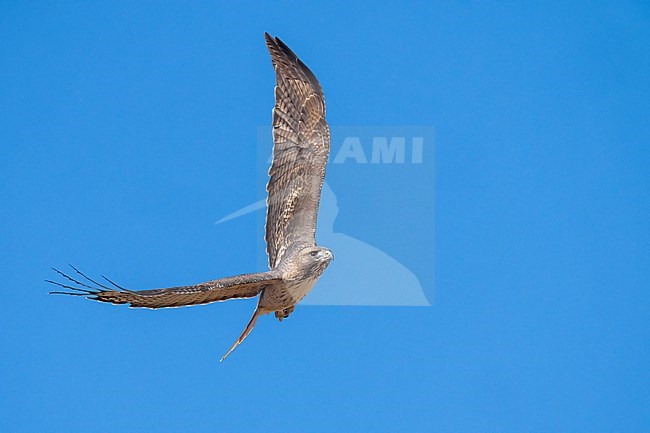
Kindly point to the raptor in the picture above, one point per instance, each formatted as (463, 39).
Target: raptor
(301, 146)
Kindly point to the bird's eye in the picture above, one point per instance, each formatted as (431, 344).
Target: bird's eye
(314, 253)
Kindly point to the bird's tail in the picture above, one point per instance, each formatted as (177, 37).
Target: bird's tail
(258, 311)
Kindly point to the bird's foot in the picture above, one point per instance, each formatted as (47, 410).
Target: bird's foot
(283, 314)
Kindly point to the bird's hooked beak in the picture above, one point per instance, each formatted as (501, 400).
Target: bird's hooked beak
(327, 254)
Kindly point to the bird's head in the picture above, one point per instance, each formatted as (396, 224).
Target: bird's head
(307, 261)
(317, 254)
(316, 258)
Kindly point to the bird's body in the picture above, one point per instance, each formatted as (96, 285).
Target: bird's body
(298, 274)
(300, 151)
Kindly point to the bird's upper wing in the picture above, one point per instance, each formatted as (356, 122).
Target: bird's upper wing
(301, 147)
(240, 286)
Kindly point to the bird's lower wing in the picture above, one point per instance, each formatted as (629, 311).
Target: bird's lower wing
(240, 286)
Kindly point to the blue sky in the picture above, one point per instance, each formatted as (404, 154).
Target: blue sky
(128, 129)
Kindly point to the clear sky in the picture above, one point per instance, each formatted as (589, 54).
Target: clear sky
(128, 128)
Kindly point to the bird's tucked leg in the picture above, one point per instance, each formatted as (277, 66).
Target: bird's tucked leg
(283, 314)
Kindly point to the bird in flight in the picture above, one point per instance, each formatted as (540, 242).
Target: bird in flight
(301, 145)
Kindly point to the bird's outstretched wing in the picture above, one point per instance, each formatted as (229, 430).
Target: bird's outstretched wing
(240, 286)
(301, 147)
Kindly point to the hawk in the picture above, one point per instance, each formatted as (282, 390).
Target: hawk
(300, 150)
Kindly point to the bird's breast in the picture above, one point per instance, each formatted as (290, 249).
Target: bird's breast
(286, 295)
